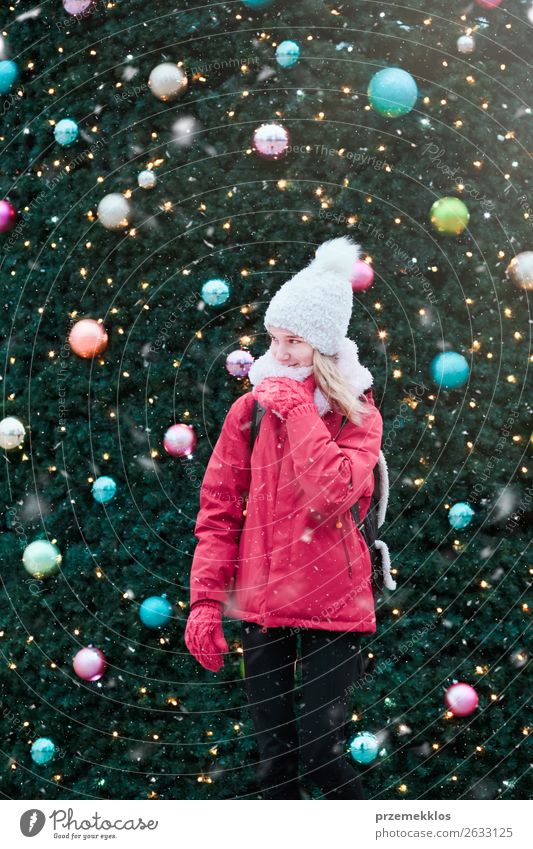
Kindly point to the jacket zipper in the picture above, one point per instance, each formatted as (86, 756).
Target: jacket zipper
(262, 617)
(338, 524)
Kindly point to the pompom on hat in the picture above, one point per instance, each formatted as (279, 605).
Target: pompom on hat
(317, 302)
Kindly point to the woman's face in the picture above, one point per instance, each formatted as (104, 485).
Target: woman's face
(288, 349)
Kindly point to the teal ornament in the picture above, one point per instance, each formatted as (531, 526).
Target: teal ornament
(155, 611)
(43, 750)
(215, 292)
(104, 489)
(287, 53)
(450, 370)
(257, 4)
(460, 515)
(392, 92)
(9, 74)
(364, 747)
(66, 132)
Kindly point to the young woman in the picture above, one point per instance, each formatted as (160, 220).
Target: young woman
(278, 547)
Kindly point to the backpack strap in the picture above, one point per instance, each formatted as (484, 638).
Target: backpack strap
(257, 414)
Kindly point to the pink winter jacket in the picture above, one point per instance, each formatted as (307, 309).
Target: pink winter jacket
(277, 543)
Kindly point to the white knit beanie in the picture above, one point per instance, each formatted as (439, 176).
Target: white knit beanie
(317, 302)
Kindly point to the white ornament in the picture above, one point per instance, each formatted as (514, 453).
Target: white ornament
(12, 433)
(114, 211)
(167, 81)
(184, 129)
(530, 14)
(147, 179)
(466, 44)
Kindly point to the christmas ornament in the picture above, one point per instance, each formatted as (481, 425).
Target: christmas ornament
(184, 129)
(287, 53)
(9, 74)
(242, 672)
(466, 44)
(449, 369)
(238, 363)
(155, 611)
(392, 92)
(179, 440)
(449, 215)
(147, 180)
(271, 140)
(42, 750)
(363, 276)
(257, 4)
(8, 216)
(66, 132)
(460, 515)
(488, 4)
(104, 489)
(12, 433)
(77, 7)
(114, 211)
(530, 14)
(215, 291)
(89, 664)
(41, 558)
(364, 747)
(461, 699)
(167, 81)
(5, 49)
(88, 338)
(520, 270)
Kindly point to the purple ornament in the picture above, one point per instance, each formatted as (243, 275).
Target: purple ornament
(271, 140)
(8, 216)
(77, 7)
(238, 363)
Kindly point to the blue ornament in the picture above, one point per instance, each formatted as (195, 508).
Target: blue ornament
(215, 292)
(66, 132)
(9, 74)
(257, 4)
(287, 53)
(450, 370)
(155, 611)
(392, 92)
(460, 515)
(364, 747)
(104, 489)
(43, 750)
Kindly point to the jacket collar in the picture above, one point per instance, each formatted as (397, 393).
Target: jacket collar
(357, 375)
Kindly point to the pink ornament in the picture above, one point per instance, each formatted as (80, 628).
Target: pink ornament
(77, 7)
(461, 699)
(179, 440)
(488, 4)
(271, 140)
(89, 664)
(362, 277)
(88, 338)
(8, 216)
(238, 363)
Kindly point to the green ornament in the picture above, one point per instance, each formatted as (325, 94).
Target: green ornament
(449, 215)
(390, 703)
(241, 667)
(41, 558)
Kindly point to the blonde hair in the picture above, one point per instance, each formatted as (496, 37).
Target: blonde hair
(336, 388)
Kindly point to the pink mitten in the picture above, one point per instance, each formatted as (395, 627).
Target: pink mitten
(282, 394)
(204, 636)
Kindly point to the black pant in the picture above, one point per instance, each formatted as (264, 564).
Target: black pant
(330, 666)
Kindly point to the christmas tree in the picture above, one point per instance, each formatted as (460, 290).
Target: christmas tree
(148, 151)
